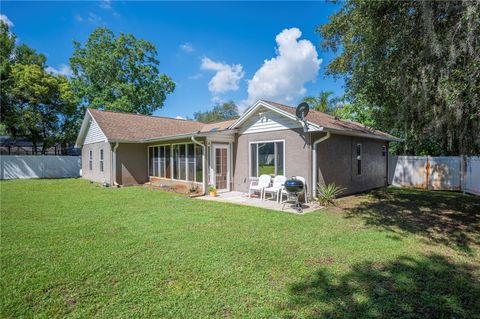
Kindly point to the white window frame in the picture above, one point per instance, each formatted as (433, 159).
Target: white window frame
(275, 156)
(90, 160)
(229, 164)
(359, 157)
(172, 162)
(101, 159)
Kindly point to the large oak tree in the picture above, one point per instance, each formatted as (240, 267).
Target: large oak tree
(220, 112)
(415, 67)
(118, 73)
(34, 104)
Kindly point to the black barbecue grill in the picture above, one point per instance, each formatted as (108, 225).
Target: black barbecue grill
(295, 188)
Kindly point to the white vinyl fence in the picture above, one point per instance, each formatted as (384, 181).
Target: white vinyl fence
(440, 173)
(41, 166)
(472, 175)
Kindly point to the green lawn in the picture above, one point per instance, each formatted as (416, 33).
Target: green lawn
(71, 248)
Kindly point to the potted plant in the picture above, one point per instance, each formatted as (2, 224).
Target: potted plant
(212, 190)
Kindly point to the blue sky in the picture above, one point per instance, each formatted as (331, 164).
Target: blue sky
(214, 51)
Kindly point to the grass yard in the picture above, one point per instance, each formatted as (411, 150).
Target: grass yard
(71, 248)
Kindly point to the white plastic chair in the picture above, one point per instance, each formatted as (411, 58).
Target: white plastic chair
(276, 188)
(260, 185)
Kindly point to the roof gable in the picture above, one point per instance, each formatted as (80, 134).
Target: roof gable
(264, 119)
(251, 111)
(317, 121)
(94, 133)
(90, 129)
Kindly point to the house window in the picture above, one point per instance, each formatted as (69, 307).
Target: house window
(384, 150)
(150, 161)
(161, 161)
(90, 160)
(101, 160)
(155, 161)
(191, 162)
(267, 158)
(198, 164)
(186, 161)
(168, 167)
(182, 161)
(359, 159)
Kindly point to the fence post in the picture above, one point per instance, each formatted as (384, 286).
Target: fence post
(427, 173)
(2, 167)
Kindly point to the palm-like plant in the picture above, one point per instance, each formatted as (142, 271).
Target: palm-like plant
(321, 103)
(328, 193)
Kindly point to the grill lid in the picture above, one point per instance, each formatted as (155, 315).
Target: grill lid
(294, 186)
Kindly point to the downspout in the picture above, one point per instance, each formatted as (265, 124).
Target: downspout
(314, 162)
(203, 164)
(114, 165)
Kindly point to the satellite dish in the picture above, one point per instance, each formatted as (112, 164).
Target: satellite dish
(302, 110)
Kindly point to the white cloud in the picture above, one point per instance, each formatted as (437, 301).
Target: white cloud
(226, 77)
(195, 76)
(78, 18)
(63, 70)
(186, 47)
(218, 99)
(93, 18)
(178, 117)
(105, 4)
(282, 78)
(6, 20)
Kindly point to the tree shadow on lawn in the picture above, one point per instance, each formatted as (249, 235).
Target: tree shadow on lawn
(448, 218)
(423, 287)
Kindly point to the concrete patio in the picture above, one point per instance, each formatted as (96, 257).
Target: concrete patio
(243, 199)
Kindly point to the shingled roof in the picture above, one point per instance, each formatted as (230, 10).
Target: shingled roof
(330, 122)
(118, 126)
(128, 127)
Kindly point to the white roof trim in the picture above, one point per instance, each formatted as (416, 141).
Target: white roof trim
(251, 110)
(361, 134)
(84, 129)
(222, 133)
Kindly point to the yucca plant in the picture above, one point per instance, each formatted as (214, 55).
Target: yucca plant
(326, 194)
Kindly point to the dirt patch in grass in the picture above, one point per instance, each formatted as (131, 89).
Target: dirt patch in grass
(327, 260)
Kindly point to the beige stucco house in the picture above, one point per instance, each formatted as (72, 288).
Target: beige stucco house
(129, 149)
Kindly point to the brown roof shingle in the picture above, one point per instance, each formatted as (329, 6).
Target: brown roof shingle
(328, 121)
(217, 126)
(118, 126)
(128, 127)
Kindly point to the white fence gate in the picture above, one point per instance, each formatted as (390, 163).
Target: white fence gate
(41, 166)
(472, 175)
(439, 173)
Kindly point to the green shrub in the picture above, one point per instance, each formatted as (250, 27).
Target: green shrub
(326, 194)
